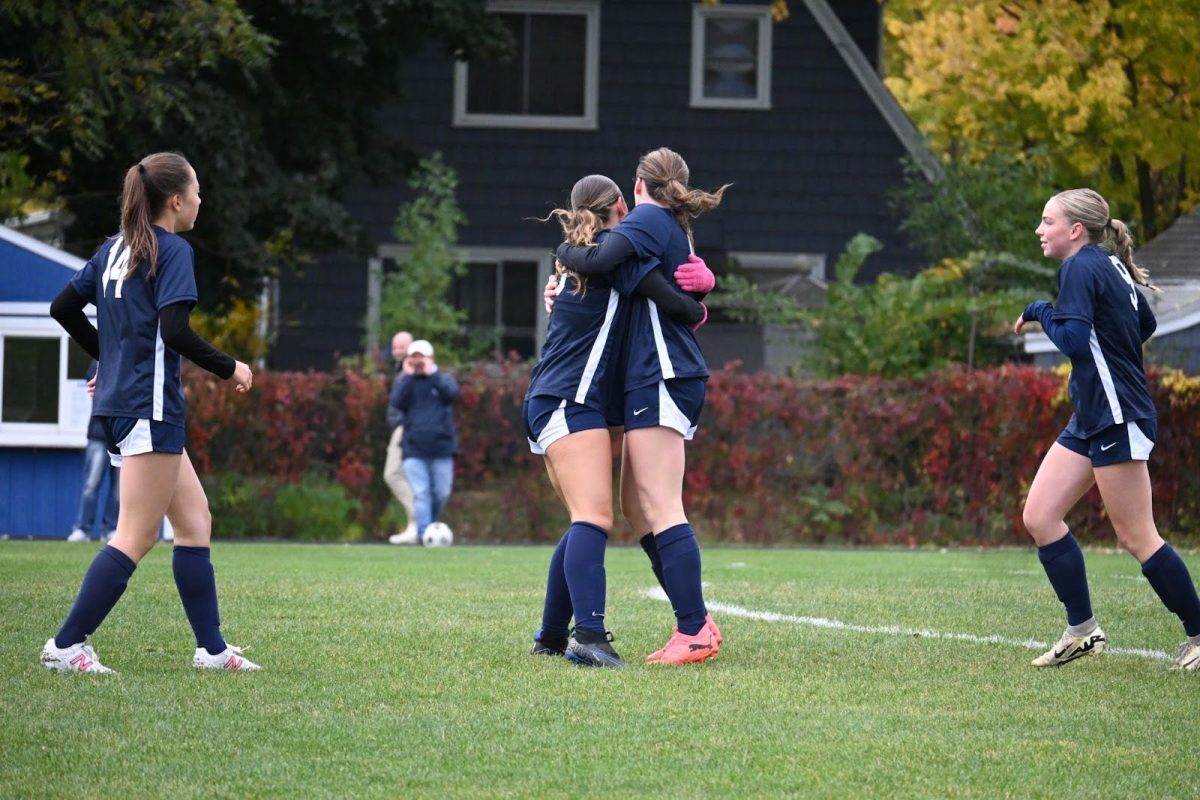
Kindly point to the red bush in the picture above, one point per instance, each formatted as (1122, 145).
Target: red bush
(946, 458)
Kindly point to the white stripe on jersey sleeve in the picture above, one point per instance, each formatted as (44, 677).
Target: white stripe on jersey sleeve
(1106, 380)
(593, 361)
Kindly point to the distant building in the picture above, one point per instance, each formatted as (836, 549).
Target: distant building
(792, 112)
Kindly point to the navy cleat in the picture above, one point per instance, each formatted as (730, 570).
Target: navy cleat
(548, 644)
(591, 649)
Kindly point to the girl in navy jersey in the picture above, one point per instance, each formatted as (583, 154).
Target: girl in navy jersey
(665, 375)
(568, 410)
(1100, 321)
(143, 285)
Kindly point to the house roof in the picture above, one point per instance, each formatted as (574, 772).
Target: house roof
(1174, 255)
(32, 271)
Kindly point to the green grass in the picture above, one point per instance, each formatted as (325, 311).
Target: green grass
(404, 673)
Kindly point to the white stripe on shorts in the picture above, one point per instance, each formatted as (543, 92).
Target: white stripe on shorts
(137, 442)
(555, 429)
(669, 415)
(1139, 445)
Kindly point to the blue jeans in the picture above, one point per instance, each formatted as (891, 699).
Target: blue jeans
(95, 466)
(431, 480)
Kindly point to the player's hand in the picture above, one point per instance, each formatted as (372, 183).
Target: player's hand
(92, 384)
(1020, 324)
(243, 378)
(695, 276)
(549, 293)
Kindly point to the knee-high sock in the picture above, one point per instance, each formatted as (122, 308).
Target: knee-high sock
(556, 613)
(1169, 577)
(197, 584)
(680, 554)
(651, 547)
(583, 564)
(103, 584)
(1063, 562)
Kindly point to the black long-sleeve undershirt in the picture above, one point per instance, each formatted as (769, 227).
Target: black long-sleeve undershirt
(596, 259)
(677, 305)
(67, 310)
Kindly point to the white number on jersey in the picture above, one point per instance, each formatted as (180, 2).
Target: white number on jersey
(1120, 265)
(115, 268)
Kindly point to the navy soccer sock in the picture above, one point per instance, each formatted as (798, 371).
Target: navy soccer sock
(1169, 577)
(680, 554)
(583, 564)
(103, 585)
(1063, 562)
(197, 584)
(556, 614)
(651, 547)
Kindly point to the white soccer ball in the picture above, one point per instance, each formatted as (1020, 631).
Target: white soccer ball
(438, 534)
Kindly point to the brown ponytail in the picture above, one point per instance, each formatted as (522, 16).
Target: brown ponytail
(149, 184)
(592, 201)
(666, 174)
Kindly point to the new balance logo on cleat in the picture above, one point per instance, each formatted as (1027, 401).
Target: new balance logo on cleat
(81, 662)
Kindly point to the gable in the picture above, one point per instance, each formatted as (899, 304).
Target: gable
(31, 271)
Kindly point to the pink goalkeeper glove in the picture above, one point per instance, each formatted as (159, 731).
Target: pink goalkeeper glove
(695, 276)
(703, 319)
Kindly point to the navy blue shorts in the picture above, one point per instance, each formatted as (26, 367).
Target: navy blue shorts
(548, 419)
(674, 404)
(128, 436)
(1130, 441)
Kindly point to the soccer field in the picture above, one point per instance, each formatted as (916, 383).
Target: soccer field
(393, 672)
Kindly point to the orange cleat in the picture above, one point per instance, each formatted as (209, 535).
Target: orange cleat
(684, 649)
(711, 624)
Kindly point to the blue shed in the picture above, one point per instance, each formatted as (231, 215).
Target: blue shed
(44, 404)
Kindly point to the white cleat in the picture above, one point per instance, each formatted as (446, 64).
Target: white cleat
(77, 535)
(406, 536)
(230, 658)
(76, 658)
(1188, 659)
(1069, 648)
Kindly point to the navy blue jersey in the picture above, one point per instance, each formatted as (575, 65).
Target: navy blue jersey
(1108, 381)
(583, 342)
(138, 375)
(656, 348)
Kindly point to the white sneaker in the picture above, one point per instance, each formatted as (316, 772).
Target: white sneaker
(77, 535)
(1071, 647)
(406, 536)
(230, 658)
(76, 658)
(1188, 659)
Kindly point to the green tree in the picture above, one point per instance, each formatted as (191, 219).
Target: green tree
(273, 101)
(415, 295)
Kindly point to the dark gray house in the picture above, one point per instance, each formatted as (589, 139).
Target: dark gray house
(793, 113)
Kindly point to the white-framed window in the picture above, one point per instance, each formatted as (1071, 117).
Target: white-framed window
(501, 291)
(731, 56)
(553, 77)
(43, 387)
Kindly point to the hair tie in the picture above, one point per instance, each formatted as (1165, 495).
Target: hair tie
(1109, 223)
(141, 168)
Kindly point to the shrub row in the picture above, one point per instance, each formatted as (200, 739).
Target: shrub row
(942, 459)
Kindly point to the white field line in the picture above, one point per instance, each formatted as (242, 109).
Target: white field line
(894, 630)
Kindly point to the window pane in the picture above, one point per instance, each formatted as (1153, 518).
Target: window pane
(557, 48)
(498, 87)
(475, 292)
(30, 380)
(730, 57)
(519, 311)
(78, 361)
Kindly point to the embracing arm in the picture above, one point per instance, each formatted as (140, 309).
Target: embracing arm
(675, 304)
(597, 259)
(67, 310)
(178, 335)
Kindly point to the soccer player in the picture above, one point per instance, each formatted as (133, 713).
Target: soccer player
(665, 376)
(568, 410)
(143, 285)
(1100, 321)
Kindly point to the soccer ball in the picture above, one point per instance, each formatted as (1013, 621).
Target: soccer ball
(438, 534)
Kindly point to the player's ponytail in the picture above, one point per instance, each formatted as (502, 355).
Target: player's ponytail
(149, 184)
(665, 175)
(1090, 209)
(592, 201)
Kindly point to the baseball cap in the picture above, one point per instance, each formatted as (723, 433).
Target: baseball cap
(421, 347)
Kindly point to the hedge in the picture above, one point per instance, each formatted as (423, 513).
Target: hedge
(942, 459)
